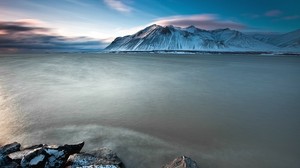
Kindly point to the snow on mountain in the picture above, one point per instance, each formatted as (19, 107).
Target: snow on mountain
(263, 36)
(157, 37)
(288, 40)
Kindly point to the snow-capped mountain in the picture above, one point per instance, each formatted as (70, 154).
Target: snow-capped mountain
(157, 37)
(289, 40)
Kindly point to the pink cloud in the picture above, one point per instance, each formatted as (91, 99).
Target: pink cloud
(2, 32)
(273, 13)
(203, 21)
(32, 22)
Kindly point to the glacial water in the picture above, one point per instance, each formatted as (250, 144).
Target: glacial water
(237, 111)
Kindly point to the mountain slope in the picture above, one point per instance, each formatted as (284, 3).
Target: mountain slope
(156, 37)
(288, 40)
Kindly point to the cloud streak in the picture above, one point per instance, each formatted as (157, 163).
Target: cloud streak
(118, 5)
(273, 13)
(203, 21)
(22, 35)
(292, 17)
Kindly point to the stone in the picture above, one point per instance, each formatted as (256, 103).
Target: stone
(35, 158)
(182, 162)
(17, 156)
(49, 156)
(102, 158)
(10, 148)
(5, 161)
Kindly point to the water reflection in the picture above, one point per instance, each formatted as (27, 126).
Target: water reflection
(10, 122)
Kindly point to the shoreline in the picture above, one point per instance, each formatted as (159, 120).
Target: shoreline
(70, 156)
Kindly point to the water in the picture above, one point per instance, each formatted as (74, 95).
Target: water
(221, 110)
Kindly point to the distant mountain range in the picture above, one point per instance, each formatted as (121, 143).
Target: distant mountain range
(191, 38)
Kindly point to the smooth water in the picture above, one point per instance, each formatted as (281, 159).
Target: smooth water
(221, 110)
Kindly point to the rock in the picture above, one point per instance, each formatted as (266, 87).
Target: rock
(10, 148)
(17, 156)
(5, 161)
(102, 158)
(49, 156)
(35, 146)
(182, 162)
(35, 158)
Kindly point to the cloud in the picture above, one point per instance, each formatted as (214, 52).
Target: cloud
(203, 21)
(118, 5)
(292, 17)
(273, 13)
(25, 36)
(19, 26)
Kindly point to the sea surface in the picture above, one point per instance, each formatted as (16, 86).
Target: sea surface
(224, 111)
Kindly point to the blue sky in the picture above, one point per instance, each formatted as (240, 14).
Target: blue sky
(107, 19)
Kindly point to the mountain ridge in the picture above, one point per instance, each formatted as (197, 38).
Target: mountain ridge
(156, 37)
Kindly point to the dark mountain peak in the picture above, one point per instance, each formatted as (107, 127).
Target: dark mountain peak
(191, 27)
(170, 26)
(167, 30)
(222, 30)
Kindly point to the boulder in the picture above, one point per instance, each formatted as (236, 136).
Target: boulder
(49, 156)
(10, 148)
(182, 162)
(17, 156)
(102, 158)
(5, 161)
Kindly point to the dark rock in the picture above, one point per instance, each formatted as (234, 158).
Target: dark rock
(5, 161)
(34, 159)
(49, 156)
(17, 156)
(182, 162)
(72, 149)
(10, 148)
(102, 158)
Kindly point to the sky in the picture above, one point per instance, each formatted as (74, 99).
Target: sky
(93, 23)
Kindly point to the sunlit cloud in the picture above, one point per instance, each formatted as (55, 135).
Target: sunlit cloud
(203, 21)
(273, 13)
(33, 22)
(118, 5)
(2, 32)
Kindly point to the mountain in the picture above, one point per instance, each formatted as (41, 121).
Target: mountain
(157, 37)
(289, 40)
(263, 36)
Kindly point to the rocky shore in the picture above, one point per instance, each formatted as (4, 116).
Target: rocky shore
(69, 156)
